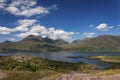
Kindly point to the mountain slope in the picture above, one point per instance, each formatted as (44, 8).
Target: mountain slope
(30, 43)
(103, 43)
(57, 42)
(33, 38)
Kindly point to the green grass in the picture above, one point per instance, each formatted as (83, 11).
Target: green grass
(23, 63)
(20, 67)
(108, 58)
(28, 75)
(28, 68)
(114, 61)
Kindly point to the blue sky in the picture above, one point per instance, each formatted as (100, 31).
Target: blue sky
(58, 19)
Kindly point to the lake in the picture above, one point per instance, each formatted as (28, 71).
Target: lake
(62, 56)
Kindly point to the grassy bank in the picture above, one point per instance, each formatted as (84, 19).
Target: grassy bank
(108, 58)
(114, 61)
(20, 67)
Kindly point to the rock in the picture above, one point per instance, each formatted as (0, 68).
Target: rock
(2, 75)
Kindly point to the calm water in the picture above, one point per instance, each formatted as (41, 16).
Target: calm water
(62, 56)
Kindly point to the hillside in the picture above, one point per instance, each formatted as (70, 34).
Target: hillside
(102, 43)
(30, 43)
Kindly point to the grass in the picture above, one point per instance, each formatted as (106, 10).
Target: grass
(114, 61)
(28, 75)
(108, 58)
(20, 67)
(109, 72)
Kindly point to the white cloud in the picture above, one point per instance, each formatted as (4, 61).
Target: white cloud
(2, 4)
(23, 35)
(4, 38)
(20, 28)
(48, 32)
(5, 30)
(10, 39)
(25, 8)
(88, 34)
(91, 25)
(118, 27)
(1, 1)
(27, 22)
(103, 27)
(37, 30)
(24, 24)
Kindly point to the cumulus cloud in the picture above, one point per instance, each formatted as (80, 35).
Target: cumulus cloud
(2, 4)
(23, 35)
(27, 27)
(27, 22)
(88, 34)
(48, 32)
(24, 24)
(103, 27)
(25, 8)
(38, 30)
(91, 25)
(10, 39)
(118, 27)
(5, 38)
(61, 34)
(5, 30)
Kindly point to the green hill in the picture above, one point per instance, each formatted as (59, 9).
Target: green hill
(30, 43)
(103, 43)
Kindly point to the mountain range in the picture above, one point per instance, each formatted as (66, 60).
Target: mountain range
(102, 43)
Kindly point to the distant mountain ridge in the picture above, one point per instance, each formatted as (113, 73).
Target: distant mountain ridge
(44, 40)
(32, 43)
(102, 43)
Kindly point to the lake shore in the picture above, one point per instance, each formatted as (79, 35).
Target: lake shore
(20, 67)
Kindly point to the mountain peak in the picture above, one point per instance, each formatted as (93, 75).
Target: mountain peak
(7, 41)
(60, 41)
(33, 38)
(48, 40)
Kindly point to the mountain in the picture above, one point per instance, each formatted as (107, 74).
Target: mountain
(49, 40)
(33, 38)
(80, 41)
(58, 41)
(7, 41)
(102, 43)
(30, 43)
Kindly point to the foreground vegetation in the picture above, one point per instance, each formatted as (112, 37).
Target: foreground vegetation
(114, 61)
(20, 67)
(108, 58)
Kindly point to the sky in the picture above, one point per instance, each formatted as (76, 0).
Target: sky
(58, 19)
